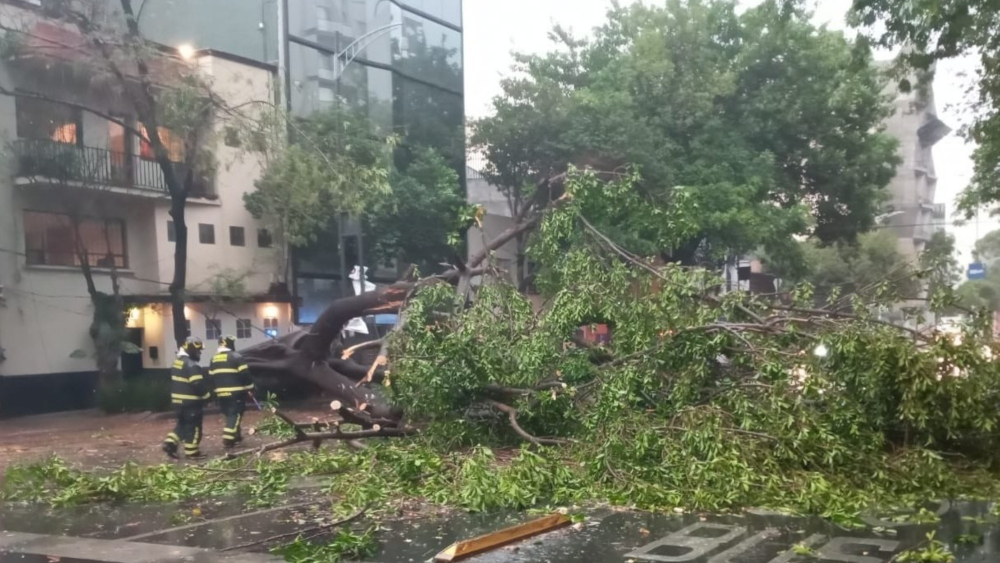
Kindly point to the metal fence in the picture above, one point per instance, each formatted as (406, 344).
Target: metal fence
(63, 162)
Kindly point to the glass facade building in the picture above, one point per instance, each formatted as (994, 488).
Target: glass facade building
(405, 73)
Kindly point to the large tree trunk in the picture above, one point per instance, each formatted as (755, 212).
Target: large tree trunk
(307, 355)
(179, 280)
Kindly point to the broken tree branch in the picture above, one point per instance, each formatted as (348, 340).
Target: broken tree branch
(296, 533)
(511, 413)
(302, 437)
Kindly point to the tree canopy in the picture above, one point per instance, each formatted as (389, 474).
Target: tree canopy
(770, 125)
(844, 268)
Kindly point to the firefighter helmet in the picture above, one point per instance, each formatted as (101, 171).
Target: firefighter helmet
(229, 341)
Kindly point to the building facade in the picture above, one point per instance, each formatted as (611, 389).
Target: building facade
(110, 200)
(912, 213)
(400, 62)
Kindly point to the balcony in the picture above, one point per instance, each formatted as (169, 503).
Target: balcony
(50, 162)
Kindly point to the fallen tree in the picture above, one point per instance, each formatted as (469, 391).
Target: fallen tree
(311, 354)
(778, 377)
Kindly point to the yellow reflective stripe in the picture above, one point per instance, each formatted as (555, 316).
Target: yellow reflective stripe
(248, 387)
(178, 364)
(229, 389)
(183, 397)
(179, 378)
(195, 377)
(219, 358)
(244, 367)
(221, 370)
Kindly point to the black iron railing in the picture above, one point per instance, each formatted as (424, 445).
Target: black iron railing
(53, 161)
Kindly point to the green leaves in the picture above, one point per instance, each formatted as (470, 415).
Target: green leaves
(333, 165)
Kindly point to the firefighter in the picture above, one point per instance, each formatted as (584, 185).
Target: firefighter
(188, 393)
(230, 377)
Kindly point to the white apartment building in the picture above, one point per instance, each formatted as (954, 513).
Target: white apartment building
(45, 309)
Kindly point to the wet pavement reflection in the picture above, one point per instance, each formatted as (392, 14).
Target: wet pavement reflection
(606, 535)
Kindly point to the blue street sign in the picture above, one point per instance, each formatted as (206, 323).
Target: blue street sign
(977, 271)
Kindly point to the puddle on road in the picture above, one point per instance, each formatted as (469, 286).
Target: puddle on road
(614, 537)
(606, 536)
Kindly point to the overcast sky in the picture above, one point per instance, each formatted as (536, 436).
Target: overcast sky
(493, 28)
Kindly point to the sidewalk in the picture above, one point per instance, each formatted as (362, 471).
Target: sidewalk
(92, 439)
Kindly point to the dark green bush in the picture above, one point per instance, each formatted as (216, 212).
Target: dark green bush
(147, 392)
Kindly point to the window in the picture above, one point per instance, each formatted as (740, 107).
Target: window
(237, 237)
(213, 329)
(120, 145)
(206, 233)
(264, 238)
(48, 121)
(326, 95)
(52, 239)
(172, 141)
(243, 328)
(171, 232)
(231, 136)
(271, 327)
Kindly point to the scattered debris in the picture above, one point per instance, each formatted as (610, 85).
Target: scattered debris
(467, 548)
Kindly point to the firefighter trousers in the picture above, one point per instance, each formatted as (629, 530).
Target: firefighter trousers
(232, 409)
(188, 429)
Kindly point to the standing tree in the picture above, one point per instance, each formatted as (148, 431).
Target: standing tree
(772, 126)
(329, 165)
(939, 264)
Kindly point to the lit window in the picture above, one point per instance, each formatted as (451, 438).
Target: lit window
(49, 121)
(172, 141)
(52, 239)
(243, 328)
(213, 329)
(271, 327)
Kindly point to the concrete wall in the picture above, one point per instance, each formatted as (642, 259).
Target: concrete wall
(497, 220)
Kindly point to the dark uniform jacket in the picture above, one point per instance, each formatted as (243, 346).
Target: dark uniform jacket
(230, 374)
(187, 384)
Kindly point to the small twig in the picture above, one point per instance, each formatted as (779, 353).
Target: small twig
(323, 527)
(335, 435)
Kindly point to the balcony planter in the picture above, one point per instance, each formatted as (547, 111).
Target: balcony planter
(49, 160)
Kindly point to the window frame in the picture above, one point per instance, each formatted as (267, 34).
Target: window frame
(271, 328)
(233, 229)
(202, 232)
(244, 329)
(76, 114)
(29, 252)
(211, 324)
(264, 238)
